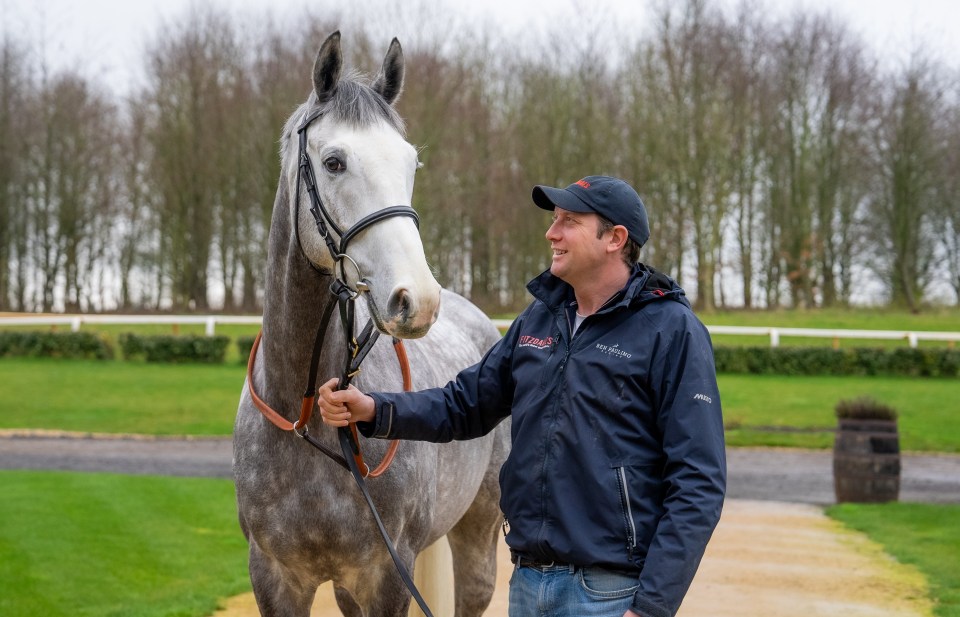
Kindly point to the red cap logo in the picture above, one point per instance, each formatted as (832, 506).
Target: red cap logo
(583, 183)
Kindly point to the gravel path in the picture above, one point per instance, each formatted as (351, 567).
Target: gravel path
(767, 474)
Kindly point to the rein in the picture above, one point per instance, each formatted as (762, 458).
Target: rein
(306, 411)
(352, 457)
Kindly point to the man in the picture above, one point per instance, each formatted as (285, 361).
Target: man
(617, 472)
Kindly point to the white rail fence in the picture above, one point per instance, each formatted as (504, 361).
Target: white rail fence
(210, 322)
(774, 334)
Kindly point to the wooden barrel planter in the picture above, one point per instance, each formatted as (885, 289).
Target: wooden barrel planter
(866, 460)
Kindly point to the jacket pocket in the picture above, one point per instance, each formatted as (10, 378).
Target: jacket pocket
(626, 509)
(641, 505)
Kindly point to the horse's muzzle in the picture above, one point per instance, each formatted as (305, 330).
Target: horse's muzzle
(410, 315)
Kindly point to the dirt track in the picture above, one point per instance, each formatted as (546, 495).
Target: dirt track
(767, 559)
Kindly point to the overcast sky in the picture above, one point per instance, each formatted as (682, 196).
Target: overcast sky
(106, 38)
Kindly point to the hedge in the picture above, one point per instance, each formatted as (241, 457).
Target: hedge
(168, 348)
(244, 345)
(73, 345)
(859, 361)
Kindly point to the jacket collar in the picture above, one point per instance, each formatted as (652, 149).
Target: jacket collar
(644, 285)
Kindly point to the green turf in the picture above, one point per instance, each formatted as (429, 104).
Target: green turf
(773, 410)
(119, 397)
(162, 399)
(117, 546)
(925, 536)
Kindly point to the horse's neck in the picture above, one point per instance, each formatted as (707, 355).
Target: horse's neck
(293, 308)
(296, 297)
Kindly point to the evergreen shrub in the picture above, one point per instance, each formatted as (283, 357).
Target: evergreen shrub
(859, 361)
(72, 345)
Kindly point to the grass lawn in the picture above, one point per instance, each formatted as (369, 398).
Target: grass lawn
(117, 546)
(168, 399)
(925, 536)
(119, 397)
(768, 410)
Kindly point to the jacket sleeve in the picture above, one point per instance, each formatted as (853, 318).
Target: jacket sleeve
(469, 406)
(694, 475)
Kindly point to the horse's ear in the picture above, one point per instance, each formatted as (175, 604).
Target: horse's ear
(326, 70)
(389, 81)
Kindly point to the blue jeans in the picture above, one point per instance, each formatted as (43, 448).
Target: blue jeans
(568, 591)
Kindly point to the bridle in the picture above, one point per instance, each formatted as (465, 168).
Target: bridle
(358, 346)
(346, 297)
(322, 218)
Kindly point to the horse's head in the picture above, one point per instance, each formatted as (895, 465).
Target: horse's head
(364, 169)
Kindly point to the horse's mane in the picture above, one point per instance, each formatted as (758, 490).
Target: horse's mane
(353, 102)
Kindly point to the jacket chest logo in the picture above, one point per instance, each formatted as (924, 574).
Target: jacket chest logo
(614, 350)
(537, 343)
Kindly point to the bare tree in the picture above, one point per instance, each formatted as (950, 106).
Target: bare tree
(85, 187)
(841, 179)
(689, 107)
(749, 92)
(814, 154)
(135, 235)
(69, 166)
(906, 155)
(13, 134)
(772, 152)
(948, 193)
(189, 69)
(278, 81)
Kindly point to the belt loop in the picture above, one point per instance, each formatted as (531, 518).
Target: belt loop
(573, 569)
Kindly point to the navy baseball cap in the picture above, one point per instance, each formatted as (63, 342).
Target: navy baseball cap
(611, 198)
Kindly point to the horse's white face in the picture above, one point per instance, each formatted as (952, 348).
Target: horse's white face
(360, 171)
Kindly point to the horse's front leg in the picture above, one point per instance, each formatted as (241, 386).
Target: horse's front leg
(277, 594)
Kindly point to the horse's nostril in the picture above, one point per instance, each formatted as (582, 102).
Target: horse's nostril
(400, 304)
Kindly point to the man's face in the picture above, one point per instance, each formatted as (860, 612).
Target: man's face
(577, 252)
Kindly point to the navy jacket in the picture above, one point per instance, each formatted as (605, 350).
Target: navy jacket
(618, 453)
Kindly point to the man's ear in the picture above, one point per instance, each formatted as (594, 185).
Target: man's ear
(618, 237)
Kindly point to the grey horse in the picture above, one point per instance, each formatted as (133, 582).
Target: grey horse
(302, 514)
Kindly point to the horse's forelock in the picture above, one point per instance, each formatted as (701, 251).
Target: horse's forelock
(353, 102)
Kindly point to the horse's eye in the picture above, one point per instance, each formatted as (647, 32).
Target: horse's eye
(334, 165)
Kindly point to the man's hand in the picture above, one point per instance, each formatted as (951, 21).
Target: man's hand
(341, 407)
(630, 613)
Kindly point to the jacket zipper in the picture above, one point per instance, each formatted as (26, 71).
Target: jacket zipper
(627, 512)
(546, 452)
